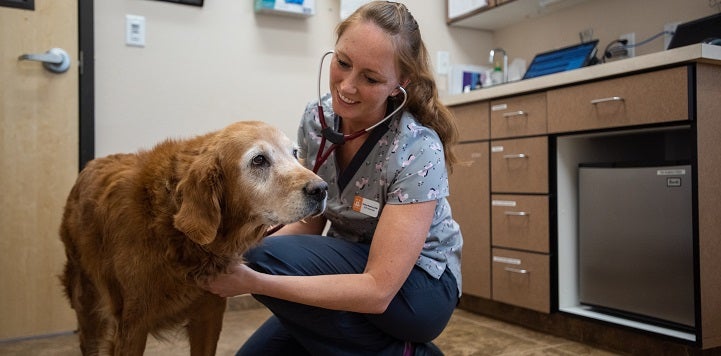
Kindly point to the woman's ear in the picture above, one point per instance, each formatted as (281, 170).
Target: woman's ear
(201, 191)
(397, 90)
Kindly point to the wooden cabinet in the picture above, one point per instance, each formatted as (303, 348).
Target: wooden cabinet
(503, 166)
(520, 165)
(663, 112)
(470, 197)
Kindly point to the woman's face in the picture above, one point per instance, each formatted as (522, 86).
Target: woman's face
(363, 75)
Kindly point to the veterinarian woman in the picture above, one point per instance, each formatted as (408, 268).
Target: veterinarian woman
(386, 278)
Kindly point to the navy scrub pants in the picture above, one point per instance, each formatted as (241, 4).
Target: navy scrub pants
(417, 314)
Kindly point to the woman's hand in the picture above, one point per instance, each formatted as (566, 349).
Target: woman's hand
(236, 282)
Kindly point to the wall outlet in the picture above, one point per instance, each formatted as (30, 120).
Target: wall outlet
(631, 38)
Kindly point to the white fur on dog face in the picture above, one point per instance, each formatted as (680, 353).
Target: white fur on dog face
(282, 190)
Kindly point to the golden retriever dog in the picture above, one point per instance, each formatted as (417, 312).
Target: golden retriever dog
(143, 231)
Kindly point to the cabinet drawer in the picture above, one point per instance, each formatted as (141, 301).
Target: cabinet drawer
(640, 99)
(519, 116)
(520, 165)
(522, 279)
(472, 120)
(470, 201)
(520, 222)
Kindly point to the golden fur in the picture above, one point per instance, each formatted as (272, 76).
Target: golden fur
(141, 230)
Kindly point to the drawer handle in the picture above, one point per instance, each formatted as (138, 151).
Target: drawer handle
(516, 270)
(515, 114)
(517, 213)
(613, 98)
(520, 155)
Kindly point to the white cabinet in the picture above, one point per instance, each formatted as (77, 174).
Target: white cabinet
(497, 14)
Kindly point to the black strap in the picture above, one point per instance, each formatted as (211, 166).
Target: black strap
(373, 138)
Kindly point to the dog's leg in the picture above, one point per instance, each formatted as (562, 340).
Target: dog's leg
(83, 297)
(205, 324)
(131, 334)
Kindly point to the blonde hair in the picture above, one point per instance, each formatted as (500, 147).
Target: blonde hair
(414, 65)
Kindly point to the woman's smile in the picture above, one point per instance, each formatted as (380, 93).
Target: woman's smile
(344, 99)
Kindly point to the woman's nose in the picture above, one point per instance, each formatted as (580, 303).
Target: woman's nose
(348, 85)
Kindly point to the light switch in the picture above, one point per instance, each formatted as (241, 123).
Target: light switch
(135, 30)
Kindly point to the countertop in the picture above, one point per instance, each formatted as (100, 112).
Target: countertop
(693, 53)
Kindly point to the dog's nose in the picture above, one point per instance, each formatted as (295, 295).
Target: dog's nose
(316, 190)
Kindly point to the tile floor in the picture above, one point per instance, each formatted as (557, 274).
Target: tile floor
(466, 334)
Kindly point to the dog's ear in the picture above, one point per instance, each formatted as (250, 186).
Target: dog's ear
(201, 194)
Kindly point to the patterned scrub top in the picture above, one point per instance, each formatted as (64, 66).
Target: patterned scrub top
(404, 165)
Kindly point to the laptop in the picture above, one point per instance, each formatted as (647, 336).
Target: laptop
(704, 29)
(561, 60)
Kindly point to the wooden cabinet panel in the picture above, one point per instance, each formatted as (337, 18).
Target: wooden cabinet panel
(472, 120)
(520, 222)
(520, 165)
(470, 201)
(647, 98)
(522, 279)
(708, 79)
(519, 116)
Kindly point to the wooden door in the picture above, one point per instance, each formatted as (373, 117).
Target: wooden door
(38, 165)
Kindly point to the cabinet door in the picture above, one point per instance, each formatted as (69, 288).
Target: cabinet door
(520, 222)
(523, 115)
(456, 9)
(522, 279)
(647, 98)
(520, 165)
(472, 120)
(470, 201)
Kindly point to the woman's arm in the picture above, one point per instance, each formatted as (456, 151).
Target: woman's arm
(312, 226)
(397, 243)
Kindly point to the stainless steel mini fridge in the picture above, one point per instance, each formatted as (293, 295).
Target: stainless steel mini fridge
(636, 241)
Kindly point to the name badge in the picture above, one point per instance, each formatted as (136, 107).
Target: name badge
(366, 206)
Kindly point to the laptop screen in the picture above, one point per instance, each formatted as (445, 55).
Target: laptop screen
(696, 31)
(561, 60)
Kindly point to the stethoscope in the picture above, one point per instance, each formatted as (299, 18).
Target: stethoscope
(336, 138)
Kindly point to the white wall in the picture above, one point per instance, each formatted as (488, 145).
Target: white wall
(608, 18)
(204, 67)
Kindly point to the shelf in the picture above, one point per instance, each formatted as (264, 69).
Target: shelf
(509, 13)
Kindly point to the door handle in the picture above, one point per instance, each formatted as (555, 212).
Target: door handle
(55, 60)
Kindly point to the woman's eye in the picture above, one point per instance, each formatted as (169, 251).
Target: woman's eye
(259, 160)
(343, 64)
(371, 80)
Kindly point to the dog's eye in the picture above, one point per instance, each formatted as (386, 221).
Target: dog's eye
(295, 153)
(259, 160)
